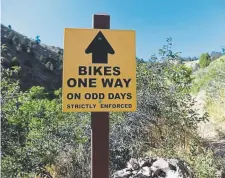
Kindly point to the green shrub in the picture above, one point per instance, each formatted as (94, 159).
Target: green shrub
(42, 59)
(37, 131)
(210, 77)
(54, 61)
(15, 40)
(25, 44)
(15, 62)
(5, 62)
(18, 48)
(204, 60)
(164, 118)
(30, 51)
(4, 48)
(50, 66)
(23, 47)
(59, 52)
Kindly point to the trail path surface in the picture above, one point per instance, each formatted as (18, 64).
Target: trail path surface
(209, 131)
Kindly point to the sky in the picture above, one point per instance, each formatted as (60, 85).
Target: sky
(195, 26)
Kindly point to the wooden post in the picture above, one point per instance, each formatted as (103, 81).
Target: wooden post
(100, 123)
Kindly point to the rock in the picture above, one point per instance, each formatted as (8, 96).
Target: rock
(220, 173)
(155, 167)
(133, 164)
(173, 174)
(145, 171)
(124, 173)
(160, 164)
(145, 162)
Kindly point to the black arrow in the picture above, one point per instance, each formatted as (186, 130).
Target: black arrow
(99, 47)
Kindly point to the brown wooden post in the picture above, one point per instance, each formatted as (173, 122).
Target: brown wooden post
(100, 123)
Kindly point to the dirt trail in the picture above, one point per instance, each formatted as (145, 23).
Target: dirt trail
(208, 130)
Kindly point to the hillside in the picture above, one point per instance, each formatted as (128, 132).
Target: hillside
(41, 65)
(212, 80)
(205, 76)
(209, 90)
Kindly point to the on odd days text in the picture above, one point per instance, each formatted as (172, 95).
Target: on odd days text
(92, 82)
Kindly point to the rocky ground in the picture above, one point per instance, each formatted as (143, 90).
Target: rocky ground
(155, 168)
(174, 168)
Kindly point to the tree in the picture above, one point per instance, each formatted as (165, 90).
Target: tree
(139, 60)
(37, 39)
(223, 50)
(204, 60)
(215, 55)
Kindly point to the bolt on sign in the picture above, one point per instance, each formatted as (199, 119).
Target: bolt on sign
(99, 70)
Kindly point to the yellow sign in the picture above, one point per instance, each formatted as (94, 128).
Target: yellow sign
(99, 70)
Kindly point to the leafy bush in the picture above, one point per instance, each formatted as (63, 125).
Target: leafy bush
(204, 60)
(36, 131)
(164, 117)
(51, 63)
(210, 76)
(60, 52)
(4, 56)
(42, 59)
(15, 62)
(4, 49)
(30, 50)
(18, 48)
(50, 66)
(15, 40)
(25, 44)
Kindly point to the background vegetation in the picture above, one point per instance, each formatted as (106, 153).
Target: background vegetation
(38, 139)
